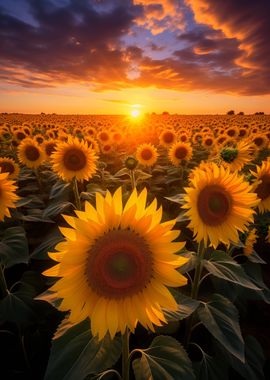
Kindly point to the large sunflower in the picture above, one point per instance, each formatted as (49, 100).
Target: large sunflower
(30, 154)
(179, 152)
(219, 205)
(74, 158)
(262, 185)
(146, 154)
(8, 165)
(8, 195)
(235, 157)
(116, 263)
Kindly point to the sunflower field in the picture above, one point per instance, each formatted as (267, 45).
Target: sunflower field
(134, 249)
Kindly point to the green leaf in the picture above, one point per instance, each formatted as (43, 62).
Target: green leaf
(186, 306)
(252, 369)
(14, 247)
(59, 189)
(56, 208)
(210, 368)
(223, 266)
(164, 359)
(16, 307)
(41, 252)
(220, 317)
(77, 354)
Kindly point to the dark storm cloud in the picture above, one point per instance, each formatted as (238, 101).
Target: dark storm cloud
(225, 49)
(74, 41)
(248, 22)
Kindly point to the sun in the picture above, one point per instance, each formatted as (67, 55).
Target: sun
(135, 113)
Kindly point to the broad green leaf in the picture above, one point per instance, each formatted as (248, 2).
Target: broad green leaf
(16, 307)
(164, 359)
(41, 252)
(220, 317)
(14, 247)
(59, 189)
(224, 266)
(210, 368)
(252, 369)
(77, 354)
(56, 208)
(186, 306)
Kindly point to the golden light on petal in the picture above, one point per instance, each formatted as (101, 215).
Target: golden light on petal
(219, 204)
(118, 260)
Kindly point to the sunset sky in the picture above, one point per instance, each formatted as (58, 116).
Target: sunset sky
(105, 56)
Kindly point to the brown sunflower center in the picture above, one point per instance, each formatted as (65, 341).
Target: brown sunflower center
(7, 167)
(119, 264)
(20, 135)
(32, 153)
(74, 159)
(168, 137)
(258, 141)
(146, 154)
(263, 190)
(242, 132)
(214, 205)
(50, 148)
(209, 142)
(180, 152)
(231, 132)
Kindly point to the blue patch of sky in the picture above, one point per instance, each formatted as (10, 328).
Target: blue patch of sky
(19, 9)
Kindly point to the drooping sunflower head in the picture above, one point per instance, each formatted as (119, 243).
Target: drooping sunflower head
(219, 205)
(30, 154)
(262, 185)
(74, 159)
(8, 165)
(146, 154)
(180, 152)
(8, 195)
(116, 263)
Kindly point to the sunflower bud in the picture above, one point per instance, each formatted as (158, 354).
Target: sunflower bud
(131, 163)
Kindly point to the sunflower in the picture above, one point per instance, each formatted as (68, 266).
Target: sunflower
(8, 195)
(219, 205)
(74, 158)
(208, 142)
(262, 185)
(167, 137)
(232, 132)
(250, 242)
(180, 151)
(8, 165)
(49, 147)
(260, 141)
(146, 154)
(235, 157)
(30, 154)
(116, 263)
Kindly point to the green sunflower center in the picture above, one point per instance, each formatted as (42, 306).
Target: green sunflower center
(263, 190)
(214, 205)
(74, 159)
(32, 153)
(119, 264)
(229, 154)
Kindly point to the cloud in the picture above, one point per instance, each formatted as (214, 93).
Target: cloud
(247, 21)
(159, 16)
(71, 42)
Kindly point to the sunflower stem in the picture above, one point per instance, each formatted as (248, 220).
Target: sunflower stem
(76, 194)
(3, 284)
(132, 179)
(125, 355)
(195, 289)
(38, 180)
